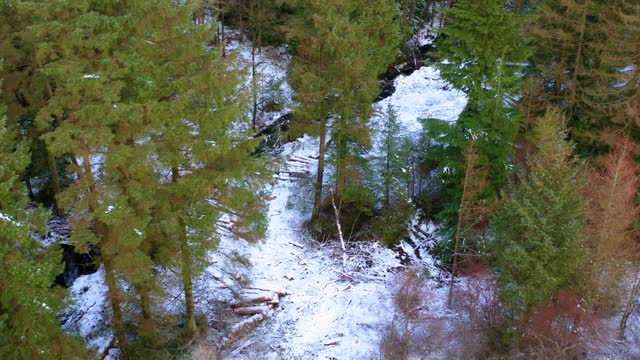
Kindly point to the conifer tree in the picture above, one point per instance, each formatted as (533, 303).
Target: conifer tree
(478, 62)
(263, 20)
(147, 116)
(105, 136)
(473, 212)
(27, 88)
(612, 96)
(29, 304)
(339, 49)
(394, 158)
(392, 177)
(539, 225)
(585, 55)
(612, 214)
(486, 67)
(209, 183)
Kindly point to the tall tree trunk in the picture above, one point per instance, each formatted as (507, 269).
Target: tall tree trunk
(430, 8)
(55, 181)
(187, 280)
(447, 4)
(187, 270)
(577, 68)
(53, 169)
(456, 249)
(341, 168)
(341, 160)
(412, 11)
(629, 306)
(254, 83)
(27, 181)
(103, 234)
(145, 300)
(202, 10)
(114, 300)
(222, 39)
(320, 176)
(387, 175)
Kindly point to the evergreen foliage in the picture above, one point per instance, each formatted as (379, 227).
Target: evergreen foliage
(122, 116)
(488, 69)
(27, 88)
(104, 134)
(208, 177)
(264, 20)
(478, 62)
(148, 116)
(539, 226)
(29, 304)
(586, 58)
(474, 211)
(340, 47)
(392, 178)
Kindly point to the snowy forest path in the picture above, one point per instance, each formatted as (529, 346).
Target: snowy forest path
(326, 316)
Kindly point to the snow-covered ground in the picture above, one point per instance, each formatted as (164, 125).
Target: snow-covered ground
(329, 312)
(422, 95)
(90, 311)
(329, 315)
(322, 307)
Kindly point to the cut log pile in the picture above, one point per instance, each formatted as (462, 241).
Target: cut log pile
(256, 303)
(253, 301)
(297, 168)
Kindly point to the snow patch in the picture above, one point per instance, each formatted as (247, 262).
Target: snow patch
(7, 218)
(90, 312)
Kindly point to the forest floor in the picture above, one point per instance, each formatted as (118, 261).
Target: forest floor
(329, 312)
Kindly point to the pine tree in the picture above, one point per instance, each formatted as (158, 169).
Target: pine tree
(26, 90)
(263, 20)
(394, 157)
(104, 135)
(486, 67)
(612, 96)
(539, 225)
(209, 183)
(392, 177)
(479, 63)
(147, 116)
(612, 214)
(473, 212)
(585, 56)
(339, 49)
(29, 305)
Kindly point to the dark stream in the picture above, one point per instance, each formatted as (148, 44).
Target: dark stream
(76, 263)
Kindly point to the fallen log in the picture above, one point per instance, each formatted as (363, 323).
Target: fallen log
(281, 178)
(248, 301)
(301, 159)
(239, 330)
(251, 310)
(275, 300)
(331, 342)
(300, 246)
(106, 351)
(296, 174)
(281, 292)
